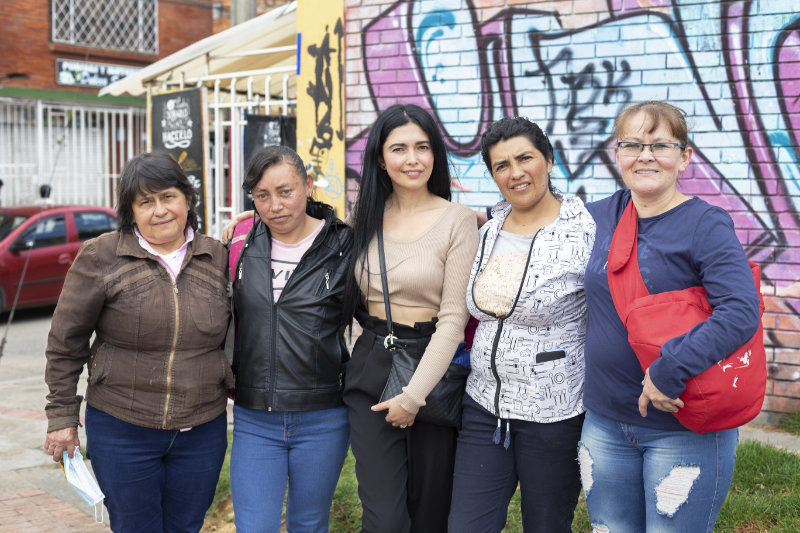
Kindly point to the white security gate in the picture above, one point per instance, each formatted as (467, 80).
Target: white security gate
(227, 120)
(77, 149)
(249, 92)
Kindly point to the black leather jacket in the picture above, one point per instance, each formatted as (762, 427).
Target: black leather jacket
(289, 355)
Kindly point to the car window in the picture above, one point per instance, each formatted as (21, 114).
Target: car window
(92, 223)
(9, 223)
(48, 232)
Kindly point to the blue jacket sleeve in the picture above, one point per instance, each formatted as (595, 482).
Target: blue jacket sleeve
(718, 258)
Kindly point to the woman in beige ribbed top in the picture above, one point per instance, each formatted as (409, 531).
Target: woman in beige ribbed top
(429, 253)
(405, 466)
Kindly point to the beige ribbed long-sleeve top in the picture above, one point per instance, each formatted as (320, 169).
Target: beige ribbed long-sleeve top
(430, 270)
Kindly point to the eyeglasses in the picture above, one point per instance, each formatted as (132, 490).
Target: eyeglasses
(631, 149)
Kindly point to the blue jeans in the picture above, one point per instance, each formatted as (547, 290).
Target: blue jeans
(644, 479)
(155, 480)
(307, 448)
(541, 457)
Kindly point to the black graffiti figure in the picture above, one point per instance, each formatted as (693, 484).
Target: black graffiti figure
(321, 92)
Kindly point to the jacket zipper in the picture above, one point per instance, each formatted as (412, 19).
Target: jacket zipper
(171, 353)
(239, 260)
(495, 373)
(273, 358)
(496, 342)
(273, 347)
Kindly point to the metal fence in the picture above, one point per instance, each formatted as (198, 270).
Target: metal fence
(228, 111)
(77, 149)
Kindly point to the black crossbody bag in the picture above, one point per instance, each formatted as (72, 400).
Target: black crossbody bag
(443, 404)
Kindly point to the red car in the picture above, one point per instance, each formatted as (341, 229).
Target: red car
(50, 236)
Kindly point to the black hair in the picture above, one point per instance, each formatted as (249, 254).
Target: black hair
(509, 127)
(151, 172)
(45, 190)
(376, 185)
(267, 157)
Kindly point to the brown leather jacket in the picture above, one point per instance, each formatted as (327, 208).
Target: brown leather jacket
(156, 359)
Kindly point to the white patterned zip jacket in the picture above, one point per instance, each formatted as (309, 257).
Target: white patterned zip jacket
(529, 364)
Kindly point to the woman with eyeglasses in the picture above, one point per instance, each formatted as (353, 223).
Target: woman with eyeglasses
(641, 469)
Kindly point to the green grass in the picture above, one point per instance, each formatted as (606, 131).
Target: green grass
(790, 423)
(765, 493)
(764, 496)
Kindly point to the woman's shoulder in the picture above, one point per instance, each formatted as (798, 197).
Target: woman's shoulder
(609, 209)
(105, 244)
(705, 217)
(461, 212)
(106, 239)
(572, 206)
(211, 246)
(207, 240)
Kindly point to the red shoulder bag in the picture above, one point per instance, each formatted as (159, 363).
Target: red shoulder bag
(726, 395)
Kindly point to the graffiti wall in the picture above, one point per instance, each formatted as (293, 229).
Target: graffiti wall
(734, 66)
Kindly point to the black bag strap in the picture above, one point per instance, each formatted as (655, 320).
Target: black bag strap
(388, 341)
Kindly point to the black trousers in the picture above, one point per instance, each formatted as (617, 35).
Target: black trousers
(542, 458)
(405, 476)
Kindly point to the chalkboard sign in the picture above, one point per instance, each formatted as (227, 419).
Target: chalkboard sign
(177, 123)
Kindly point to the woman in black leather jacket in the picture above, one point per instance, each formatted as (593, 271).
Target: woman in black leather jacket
(289, 420)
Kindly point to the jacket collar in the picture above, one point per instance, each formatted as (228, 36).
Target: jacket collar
(570, 207)
(128, 245)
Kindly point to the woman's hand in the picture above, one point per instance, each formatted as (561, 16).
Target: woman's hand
(397, 416)
(227, 231)
(61, 439)
(661, 401)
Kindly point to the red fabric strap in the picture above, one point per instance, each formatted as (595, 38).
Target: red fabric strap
(624, 278)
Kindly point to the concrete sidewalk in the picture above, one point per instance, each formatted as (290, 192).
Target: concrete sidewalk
(34, 495)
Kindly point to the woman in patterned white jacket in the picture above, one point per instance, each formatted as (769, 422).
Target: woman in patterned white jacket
(523, 408)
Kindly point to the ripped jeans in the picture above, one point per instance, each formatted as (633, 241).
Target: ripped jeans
(638, 479)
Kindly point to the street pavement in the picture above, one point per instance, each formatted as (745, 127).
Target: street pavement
(34, 495)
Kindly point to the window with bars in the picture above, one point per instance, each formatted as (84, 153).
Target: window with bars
(130, 25)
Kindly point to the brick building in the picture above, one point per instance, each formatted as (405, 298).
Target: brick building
(54, 57)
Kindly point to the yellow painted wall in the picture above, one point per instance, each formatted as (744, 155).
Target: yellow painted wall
(320, 97)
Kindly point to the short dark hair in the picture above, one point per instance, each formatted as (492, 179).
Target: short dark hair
(151, 172)
(510, 127)
(45, 190)
(269, 156)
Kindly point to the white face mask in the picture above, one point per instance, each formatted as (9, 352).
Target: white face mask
(82, 481)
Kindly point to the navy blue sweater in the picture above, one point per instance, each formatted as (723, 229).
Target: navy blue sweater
(690, 245)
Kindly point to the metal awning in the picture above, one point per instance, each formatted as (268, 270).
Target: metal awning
(262, 46)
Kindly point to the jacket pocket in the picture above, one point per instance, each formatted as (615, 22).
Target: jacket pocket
(100, 363)
(325, 283)
(209, 313)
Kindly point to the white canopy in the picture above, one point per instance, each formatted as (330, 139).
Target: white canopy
(265, 45)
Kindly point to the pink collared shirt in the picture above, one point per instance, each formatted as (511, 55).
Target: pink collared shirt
(173, 260)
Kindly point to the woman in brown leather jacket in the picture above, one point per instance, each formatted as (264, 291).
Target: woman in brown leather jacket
(154, 295)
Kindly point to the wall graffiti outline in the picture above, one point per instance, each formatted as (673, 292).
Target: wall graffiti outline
(736, 166)
(322, 92)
